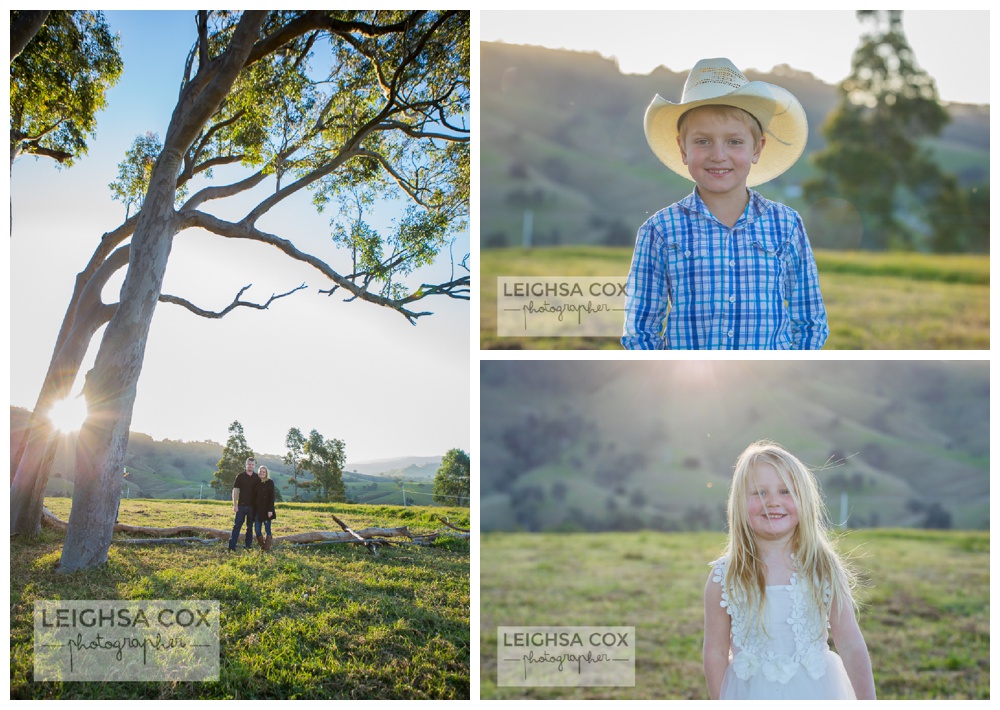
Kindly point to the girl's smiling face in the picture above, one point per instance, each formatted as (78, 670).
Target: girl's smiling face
(770, 505)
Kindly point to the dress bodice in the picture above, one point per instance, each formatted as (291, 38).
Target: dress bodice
(793, 634)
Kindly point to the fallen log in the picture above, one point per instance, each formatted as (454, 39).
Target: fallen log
(348, 535)
(166, 541)
(325, 536)
(50, 519)
(370, 544)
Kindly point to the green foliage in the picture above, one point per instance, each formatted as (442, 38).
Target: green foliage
(371, 105)
(324, 459)
(874, 157)
(232, 463)
(451, 484)
(924, 616)
(135, 170)
(58, 85)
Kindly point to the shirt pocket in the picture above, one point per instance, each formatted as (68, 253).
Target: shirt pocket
(688, 264)
(765, 260)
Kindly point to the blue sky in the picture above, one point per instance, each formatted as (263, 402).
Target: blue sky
(353, 371)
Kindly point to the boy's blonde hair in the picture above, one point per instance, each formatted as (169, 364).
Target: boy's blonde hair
(725, 111)
(819, 567)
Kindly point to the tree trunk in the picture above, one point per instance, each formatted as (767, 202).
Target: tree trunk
(111, 385)
(24, 29)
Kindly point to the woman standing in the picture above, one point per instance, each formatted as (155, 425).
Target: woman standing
(265, 508)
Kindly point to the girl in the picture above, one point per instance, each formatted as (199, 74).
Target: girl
(265, 508)
(778, 587)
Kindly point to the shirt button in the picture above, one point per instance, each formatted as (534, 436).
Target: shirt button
(730, 334)
(687, 253)
(733, 263)
(732, 299)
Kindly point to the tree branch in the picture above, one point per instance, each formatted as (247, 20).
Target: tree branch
(33, 148)
(165, 298)
(245, 230)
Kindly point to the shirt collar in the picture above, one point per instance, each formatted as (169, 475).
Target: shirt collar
(756, 206)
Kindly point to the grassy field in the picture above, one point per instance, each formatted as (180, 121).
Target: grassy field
(300, 622)
(875, 301)
(925, 617)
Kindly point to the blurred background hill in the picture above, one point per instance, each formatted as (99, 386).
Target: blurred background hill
(562, 139)
(628, 445)
(178, 469)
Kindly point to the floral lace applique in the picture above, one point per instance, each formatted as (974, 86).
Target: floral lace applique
(755, 657)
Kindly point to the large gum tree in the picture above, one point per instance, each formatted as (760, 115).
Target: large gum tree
(349, 105)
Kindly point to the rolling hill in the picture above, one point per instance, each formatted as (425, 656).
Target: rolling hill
(178, 469)
(626, 445)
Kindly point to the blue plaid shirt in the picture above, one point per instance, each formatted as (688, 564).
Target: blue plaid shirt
(751, 287)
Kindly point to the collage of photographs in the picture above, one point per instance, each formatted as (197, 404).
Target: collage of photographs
(323, 373)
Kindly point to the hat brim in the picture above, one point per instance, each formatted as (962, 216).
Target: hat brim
(780, 115)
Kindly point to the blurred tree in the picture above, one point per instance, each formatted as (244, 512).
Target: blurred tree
(937, 517)
(451, 482)
(295, 443)
(874, 157)
(58, 81)
(233, 462)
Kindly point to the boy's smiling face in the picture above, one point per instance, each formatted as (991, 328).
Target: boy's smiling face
(718, 150)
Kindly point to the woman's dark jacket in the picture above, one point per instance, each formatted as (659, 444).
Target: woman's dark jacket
(265, 500)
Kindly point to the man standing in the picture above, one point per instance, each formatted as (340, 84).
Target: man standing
(244, 496)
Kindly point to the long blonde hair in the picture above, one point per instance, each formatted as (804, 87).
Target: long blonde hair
(818, 564)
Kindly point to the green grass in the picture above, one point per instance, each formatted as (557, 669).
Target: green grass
(875, 301)
(925, 617)
(320, 622)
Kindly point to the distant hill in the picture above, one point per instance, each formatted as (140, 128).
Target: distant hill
(562, 138)
(177, 469)
(408, 467)
(623, 445)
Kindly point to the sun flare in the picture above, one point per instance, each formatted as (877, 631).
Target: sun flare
(68, 415)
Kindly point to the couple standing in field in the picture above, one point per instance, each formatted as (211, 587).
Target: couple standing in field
(253, 501)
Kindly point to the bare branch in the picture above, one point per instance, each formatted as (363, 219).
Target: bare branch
(221, 191)
(237, 303)
(416, 133)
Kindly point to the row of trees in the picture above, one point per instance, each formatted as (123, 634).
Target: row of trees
(317, 466)
(382, 112)
(321, 458)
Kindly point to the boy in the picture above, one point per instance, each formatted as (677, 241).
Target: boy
(734, 270)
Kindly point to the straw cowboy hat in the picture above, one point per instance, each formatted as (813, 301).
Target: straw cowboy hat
(718, 81)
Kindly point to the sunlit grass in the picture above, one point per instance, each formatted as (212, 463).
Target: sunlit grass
(875, 300)
(301, 622)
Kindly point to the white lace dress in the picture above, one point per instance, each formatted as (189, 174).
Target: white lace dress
(792, 661)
